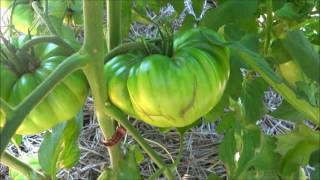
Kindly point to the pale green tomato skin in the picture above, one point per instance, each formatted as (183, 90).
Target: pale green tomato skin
(291, 72)
(61, 104)
(171, 91)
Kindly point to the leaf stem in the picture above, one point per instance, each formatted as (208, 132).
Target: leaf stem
(25, 169)
(44, 17)
(257, 62)
(269, 22)
(45, 39)
(122, 119)
(113, 23)
(8, 110)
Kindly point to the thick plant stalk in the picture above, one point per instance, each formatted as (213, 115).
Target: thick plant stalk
(70, 65)
(94, 47)
(14, 163)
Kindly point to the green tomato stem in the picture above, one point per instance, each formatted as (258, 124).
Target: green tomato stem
(8, 110)
(269, 22)
(44, 17)
(131, 46)
(45, 39)
(68, 66)
(288, 94)
(113, 23)
(122, 119)
(25, 169)
(94, 47)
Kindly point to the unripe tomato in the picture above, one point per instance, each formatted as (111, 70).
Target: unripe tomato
(291, 72)
(61, 104)
(171, 91)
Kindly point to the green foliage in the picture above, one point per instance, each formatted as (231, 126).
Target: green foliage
(302, 51)
(296, 148)
(128, 167)
(60, 148)
(32, 161)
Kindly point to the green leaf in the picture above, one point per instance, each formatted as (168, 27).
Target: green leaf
(32, 161)
(279, 53)
(155, 5)
(227, 122)
(177, 5)
(16, 139)
(125, 18)
(296, 148)
(187, 23)
(61, 146)
(227, 150)
(288, 11)
(137, 153)
(286, 112)
(255, 60)
(302, 51)
(234, 85)
(251, 141)
(309, 91)
(197, 6)
(258, 63)
(252, 99)
(128, 167)
(231, 11)
(266, 161)
(217, 111)
(314, 162)
(213, 176)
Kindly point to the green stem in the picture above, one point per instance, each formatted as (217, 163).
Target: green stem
(180, 154)
(269, 22)
(25, 169)
(124, 48)
(122, 119)
(44, 18)
(256, 62)
(113, 23)
(94, 47)
(8, 110)
(68, 66)
(10, 52)
(45, 39)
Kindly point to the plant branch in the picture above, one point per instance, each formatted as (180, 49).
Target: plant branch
(8, 110)
(94, 47)
(44, 17)
(14, 163)
(68, 66)
(45, 39)
(122, 119)
(113, 23)
(256, 62)
(269, 22)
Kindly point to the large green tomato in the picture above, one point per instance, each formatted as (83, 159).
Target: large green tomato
(61, 104)
(291, 72)
(171, 91)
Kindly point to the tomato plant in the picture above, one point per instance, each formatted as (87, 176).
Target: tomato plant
(208, 61)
